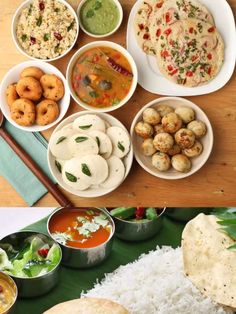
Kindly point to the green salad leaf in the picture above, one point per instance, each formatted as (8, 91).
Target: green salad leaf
(227, 221)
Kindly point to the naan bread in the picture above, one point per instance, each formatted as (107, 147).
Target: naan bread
(190, 52)
(142, 24)
(174, 10)
(88, 306)
(207, 261)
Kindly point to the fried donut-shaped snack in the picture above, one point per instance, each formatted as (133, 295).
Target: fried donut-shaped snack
(47, 111)
(35, 72)
(11, 94)
(23, 112)
(29, 88)
(53, 87)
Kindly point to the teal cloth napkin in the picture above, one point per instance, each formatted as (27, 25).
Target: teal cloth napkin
(15, 171)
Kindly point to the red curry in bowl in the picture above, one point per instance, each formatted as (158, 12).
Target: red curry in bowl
(80, 228)
(102, 77)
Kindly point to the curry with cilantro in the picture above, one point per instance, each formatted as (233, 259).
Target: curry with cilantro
(80, 228)
(102, 77)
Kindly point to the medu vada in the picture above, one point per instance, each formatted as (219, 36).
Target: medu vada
(35, 72)
(29, 88)
(53, 87)
(23, 112)
(11, 94)
(47, 111)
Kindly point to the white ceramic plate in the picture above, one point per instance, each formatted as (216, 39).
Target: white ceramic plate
(197, 163)
(153, 81)
(112, 45)
(24, 5)
(13, 76)
(91, 192)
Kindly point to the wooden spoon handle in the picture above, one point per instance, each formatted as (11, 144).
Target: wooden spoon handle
(31, 164)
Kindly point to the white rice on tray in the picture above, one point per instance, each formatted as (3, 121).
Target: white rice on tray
(46, 29)
(155, 284)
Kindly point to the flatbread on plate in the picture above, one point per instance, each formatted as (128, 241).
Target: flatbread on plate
(190, 52)
(207, 261)
(173, 11)
(142, 24)
(88, 306)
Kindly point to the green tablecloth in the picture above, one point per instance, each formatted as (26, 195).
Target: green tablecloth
(73, 281)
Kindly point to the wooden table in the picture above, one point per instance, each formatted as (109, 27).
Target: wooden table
(213, 185)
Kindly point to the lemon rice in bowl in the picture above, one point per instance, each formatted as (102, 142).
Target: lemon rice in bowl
(45, 29)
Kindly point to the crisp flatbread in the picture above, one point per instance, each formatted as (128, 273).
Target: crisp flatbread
(207, 261)
(190, 52)
(88, 306)
(173, 11)
(142, 24)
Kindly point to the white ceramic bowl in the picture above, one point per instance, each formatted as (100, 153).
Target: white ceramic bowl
(197, 162)
(117, 3)
(102, 44)
(14, 25)
(13, 75)
(91, 192)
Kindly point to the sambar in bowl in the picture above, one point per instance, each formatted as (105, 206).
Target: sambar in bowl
(102, 76)
(84, 234)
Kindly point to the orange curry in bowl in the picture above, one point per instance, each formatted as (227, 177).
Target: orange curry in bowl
(102, 77)
(80, 228)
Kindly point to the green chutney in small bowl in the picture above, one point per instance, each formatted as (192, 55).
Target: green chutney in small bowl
(100, 18)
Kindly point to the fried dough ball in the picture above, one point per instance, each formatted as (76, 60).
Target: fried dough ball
(158, 129)
(163, 142)
(53, 87)
(163, 110)
(35, 72)
(47, 112)
(23, 112)
(171, 122)
(174, 150)
(144, 129)
(11, 94)
(198, 127)
(194, 151)
(151, 116)
(181, 163)
(186, 114)
(29, 88)
(147, 147)
(161, 161)
(185, 138)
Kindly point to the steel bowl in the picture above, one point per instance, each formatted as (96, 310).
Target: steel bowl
(137, 231)
(13, 286)
(186, 214)
(35, 286)
(84, 257)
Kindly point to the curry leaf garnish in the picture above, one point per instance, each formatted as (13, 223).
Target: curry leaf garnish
(121, 147)
(98, 141)
(85, 127)
(58, 165)
(85, 170)
(70, 26)
(71, 177)
(81, 139)
(46, 37)
(24, 37)
(61, 139)
(93, 94)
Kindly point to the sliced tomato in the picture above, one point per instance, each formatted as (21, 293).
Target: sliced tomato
(159, 4)
(168, 31)
(191, 29)
(211, 29)
(194, 58)
(141, 26)
(174, 72)
(168, 17)
(146, 36)
(158, 32)
(170, 68)
(164, 54)
(189, 74)
(209, 56)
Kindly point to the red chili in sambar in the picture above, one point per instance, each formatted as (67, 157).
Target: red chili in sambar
(80, 228)
(102, 77)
